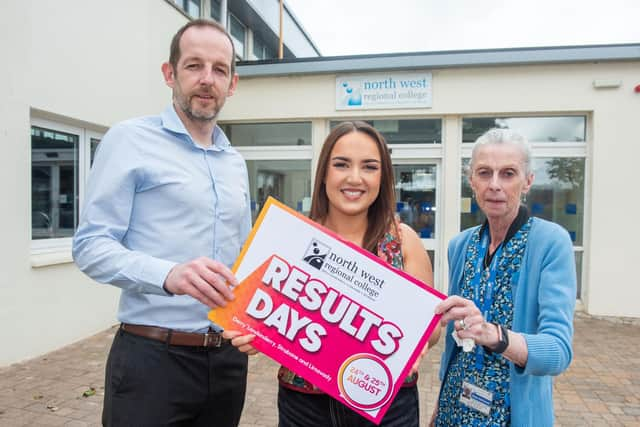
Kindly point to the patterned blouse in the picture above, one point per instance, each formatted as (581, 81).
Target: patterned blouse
(494, 374)
(390, 250)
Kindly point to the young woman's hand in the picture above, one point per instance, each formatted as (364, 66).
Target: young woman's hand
(241, 342)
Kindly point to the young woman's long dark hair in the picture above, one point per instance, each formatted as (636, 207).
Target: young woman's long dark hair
(381, 213)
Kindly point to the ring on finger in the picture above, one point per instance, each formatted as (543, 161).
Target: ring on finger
(462, 324)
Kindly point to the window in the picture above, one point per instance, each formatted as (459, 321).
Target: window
(278, 160)
(557, 194)
(408, 131)
(216, 10)
(238, 35)
(60, 159)
(416, 197)
(191, 7)
(268, 134)
(558, 163)
(260, 49)
(289, 181)
(535, 129)
(54, 183)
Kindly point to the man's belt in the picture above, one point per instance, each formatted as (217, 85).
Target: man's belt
(172, 337)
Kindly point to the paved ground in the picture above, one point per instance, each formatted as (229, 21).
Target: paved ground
(65, 387)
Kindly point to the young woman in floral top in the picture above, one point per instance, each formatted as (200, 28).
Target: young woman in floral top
(354, 196)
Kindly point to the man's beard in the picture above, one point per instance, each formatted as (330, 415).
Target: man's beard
(195, 115)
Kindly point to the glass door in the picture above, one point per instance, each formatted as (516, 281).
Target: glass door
(417, 200)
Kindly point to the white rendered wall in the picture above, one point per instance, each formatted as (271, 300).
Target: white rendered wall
(614, 229)
(611, 206)
(93, 63)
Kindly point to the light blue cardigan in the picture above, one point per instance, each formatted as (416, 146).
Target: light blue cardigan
(544, 300)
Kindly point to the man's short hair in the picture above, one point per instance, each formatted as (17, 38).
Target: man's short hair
(174, 50)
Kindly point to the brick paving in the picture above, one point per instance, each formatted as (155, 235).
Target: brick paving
(65, 387)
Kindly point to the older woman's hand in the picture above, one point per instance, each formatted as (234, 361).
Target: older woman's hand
(241, 342)
(468, 320)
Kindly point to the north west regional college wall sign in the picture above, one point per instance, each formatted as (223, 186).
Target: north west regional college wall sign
(384, 90)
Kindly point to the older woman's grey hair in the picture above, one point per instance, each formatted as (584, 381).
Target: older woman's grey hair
(498, 136)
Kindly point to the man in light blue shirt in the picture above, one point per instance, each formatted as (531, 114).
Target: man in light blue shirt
(166, 213)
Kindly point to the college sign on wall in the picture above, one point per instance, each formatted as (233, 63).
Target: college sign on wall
(383, 90)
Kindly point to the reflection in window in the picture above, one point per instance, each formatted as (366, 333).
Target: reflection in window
(54, 183)
(410, 131)
(416, 197)
(260, 49)
(191, 7)
(216, 10)
(535, 129)
(237, 31)
(268, 134)
(557, 194)
(289, 181)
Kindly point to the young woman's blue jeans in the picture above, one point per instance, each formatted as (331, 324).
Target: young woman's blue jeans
(296, 409)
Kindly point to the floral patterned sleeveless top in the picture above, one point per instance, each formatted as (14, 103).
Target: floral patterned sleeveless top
(390, 250)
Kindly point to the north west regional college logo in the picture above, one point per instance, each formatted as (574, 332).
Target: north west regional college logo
(352, 94)
(316, 253)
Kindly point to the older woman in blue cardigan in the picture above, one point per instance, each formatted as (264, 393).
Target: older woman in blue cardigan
(512, 287)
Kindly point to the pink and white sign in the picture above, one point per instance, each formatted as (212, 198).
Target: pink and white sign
(333, 313)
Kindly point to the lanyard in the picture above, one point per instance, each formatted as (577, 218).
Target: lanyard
(490, 273)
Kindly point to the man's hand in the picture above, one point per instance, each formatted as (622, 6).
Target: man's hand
(204, 279)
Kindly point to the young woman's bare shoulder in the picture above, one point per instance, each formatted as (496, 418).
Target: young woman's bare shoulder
(408, 234)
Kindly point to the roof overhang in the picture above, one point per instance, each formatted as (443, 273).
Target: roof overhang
(443, 59)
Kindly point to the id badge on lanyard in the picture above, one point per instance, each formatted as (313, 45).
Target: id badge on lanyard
(473, 395)
(476, 397)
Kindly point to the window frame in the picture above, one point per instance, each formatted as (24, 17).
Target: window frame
(277, 152)
(241, 54)
(431, 243)
(58, 249)
(432, 149)
(558, 143)
(557, 149)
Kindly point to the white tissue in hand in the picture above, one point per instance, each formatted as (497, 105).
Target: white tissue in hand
(458, 341)
(467, 344)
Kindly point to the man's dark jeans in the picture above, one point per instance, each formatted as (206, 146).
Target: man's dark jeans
(151, 383)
